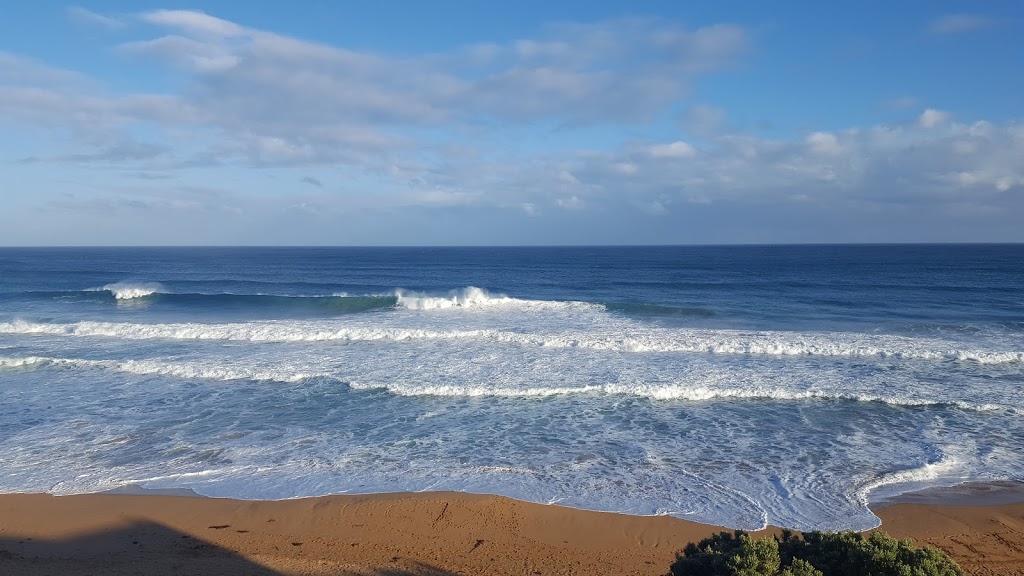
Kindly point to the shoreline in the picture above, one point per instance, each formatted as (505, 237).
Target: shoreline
(964, 494)
(431, 533)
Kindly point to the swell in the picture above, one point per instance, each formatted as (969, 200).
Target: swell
(463, 298)
(613, 338)
(327, 303)
(152, 292)
(333, 304)
(659, 310)
(692, 392)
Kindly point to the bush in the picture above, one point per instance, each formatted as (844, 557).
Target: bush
(816, 554)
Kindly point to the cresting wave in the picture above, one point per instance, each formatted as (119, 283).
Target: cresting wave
(468, 297)
(631, 338)
(692, 392)
(130, 290)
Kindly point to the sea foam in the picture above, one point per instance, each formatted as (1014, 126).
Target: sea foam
(632, 339)
(689, 390)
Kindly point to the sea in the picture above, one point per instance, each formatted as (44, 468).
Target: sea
(733, 385)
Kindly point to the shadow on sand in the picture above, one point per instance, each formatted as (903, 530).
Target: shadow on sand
(145, 548)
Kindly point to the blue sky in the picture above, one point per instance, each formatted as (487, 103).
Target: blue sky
(414, 123)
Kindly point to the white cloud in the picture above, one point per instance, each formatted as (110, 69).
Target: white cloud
(529, 208)
(1006, 183)
(931, 118)
(567, 177)
(128, 151)
(586, 74)
(986, 178)
(257, 97)
(532, 49)
(824, 143)
(628, 168)
(913, 163)
(20, 72)
(195, 22)
(441, 197)
(655, 207)
(89, 17)
(432, 131)
(117, 202)
(571, 203)
(64, 102)
(190, 53)
(959, 23)
(677, 149)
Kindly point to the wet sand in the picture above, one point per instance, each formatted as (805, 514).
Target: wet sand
(424, 533)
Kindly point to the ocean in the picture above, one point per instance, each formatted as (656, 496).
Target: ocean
(733, 385)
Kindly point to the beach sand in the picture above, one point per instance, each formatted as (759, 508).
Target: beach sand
(423, 533)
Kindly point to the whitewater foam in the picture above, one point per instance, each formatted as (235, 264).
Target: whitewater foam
(468, 297)
(685, 392)
(164, 367)
(948, 470)
(245, 332)
(130, 290)
(632, 339)
(678, 391)
(206, 372)
(21, 362)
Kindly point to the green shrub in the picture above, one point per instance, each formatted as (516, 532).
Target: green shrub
(816, 554)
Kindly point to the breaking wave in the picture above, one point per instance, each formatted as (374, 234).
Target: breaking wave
(468, 297)
(473, 297)
(130, 290)
(631, 339)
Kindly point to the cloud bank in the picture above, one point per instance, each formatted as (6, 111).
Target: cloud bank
(492, 128)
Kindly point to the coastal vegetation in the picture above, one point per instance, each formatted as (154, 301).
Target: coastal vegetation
(814, 554)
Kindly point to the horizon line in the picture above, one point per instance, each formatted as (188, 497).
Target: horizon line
(412, 246)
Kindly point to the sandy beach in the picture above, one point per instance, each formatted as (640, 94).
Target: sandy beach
(424, 533)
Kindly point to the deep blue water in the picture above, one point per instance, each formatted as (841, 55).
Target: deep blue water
(736, 385)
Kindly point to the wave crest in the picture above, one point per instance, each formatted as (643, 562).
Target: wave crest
(658, 341)
(468, 297)
(683, 392)
(130, 290)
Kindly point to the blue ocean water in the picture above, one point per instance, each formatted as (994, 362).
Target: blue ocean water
(740, 385)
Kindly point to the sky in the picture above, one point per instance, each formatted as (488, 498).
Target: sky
(511, 123)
